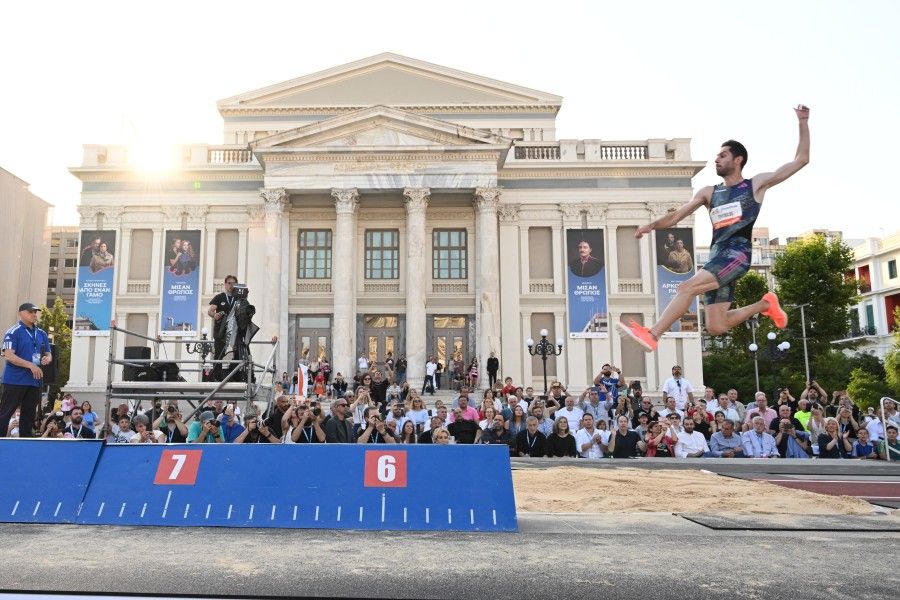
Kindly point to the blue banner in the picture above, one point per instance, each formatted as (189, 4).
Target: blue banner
(96, 280)
(675, 264)
(181, 284)
(45, 481)
(586, 257)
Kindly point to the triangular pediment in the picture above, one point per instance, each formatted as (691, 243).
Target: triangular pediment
(390, 80)
(380, 127)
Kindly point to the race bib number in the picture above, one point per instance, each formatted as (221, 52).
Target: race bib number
(725, 215)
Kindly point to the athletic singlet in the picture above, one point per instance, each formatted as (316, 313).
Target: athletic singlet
(733, 212)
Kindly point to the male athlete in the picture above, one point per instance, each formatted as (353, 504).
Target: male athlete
(733, 207)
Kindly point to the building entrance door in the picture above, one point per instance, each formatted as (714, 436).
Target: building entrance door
(380, 336)
(450, 347)
(313, 334)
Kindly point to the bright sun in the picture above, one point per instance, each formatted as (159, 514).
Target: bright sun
(153, 157)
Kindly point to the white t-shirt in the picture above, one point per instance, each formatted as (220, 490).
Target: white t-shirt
(664, 412)
(583, 436)
(876, 430)
(680, 392)
(572, 416)
(688, 443)
(362, 363)
(430, 368)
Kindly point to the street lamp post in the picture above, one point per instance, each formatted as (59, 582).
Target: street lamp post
(544, 349)
(803, 325)
(753, 323)
(204, 348)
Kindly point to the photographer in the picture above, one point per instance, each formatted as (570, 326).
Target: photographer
(231, 426)
(54, 426)
(256, 432)
(790, 442)
(307, 425)
(142, 434)
(219, 308)
(375, 431)
(816, 395)
(274, 416)
(171, 425)
(206, 430)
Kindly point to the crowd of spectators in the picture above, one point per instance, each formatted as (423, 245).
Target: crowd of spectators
(609, 419)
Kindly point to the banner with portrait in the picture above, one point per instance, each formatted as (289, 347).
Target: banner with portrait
(95, 283)
(586, 275)
(675, 264)
(181, 284)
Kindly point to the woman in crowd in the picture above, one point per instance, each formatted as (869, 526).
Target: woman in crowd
(408, 433)
(495, 401)
(718, 420)
(659, 442)
(90, 417)
(440, 436)
(405, 394)
(846, 422)
(832, 444)
(488, 421)
(517, 422)
(362, 401)
(472, 375)
(417, 414)
(561, 442)
(703, 421)
(816, 423)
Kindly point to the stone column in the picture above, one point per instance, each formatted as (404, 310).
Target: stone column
(273, 297)
(511, 282)
(343, 332)
(416, 268)
(487, 276)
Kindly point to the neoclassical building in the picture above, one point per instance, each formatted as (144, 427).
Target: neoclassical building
(395, 205)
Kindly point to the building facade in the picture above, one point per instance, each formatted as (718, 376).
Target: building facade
(872, 320)
(392, 205)
(23, 231)
(63, 267)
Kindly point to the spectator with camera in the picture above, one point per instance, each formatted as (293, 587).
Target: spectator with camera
(375, 431)
(660, 440)
(143, 434)
(54, 426)
(784, 412)
(791, 441)
(171, 425)
(816, 394)
(306, 425)
(273, 417)
(256, 432)
(231, 425)
(206, 430)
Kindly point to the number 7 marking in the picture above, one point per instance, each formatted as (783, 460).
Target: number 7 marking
(178, 467)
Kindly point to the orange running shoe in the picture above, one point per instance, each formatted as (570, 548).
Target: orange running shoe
(775, 312)
(639, 334)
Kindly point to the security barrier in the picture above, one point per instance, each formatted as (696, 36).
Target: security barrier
(44, 481)
(335, 486)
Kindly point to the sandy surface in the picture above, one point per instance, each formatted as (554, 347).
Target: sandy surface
(571, 489)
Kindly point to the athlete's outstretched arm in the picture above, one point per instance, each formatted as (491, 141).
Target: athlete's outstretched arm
(670, 219)
(764, 181)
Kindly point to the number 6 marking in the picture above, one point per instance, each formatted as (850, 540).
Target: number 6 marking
(387, 470)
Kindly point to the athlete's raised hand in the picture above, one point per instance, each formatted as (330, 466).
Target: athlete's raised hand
(802, 112)
(643, 229)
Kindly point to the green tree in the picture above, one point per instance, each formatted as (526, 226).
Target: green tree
(866, 389)
(811, 271)
(892, 359)
(53, 321)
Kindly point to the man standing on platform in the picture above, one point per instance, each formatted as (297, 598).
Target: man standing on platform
(219, 308)
(26, 349)
(493, 365)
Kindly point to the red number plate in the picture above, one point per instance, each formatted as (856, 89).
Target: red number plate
(385, 469)
(178, 467)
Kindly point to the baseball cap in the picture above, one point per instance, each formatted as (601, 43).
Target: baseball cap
(28, 306)
(643, 414)
(207, 415)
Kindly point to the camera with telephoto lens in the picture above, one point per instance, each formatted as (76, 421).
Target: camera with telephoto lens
(171, 409)
(240, 291)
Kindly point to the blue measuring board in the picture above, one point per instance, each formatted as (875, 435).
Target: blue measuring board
(44, 481)
(334, 486)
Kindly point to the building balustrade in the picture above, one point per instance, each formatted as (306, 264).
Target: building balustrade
(540, 286)
(450, 288)
(631, 286)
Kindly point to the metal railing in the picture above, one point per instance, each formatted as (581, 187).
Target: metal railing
(253, 374)
(887, 447)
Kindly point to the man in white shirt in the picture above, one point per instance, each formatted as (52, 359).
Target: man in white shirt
(691, 444)
(590, 442)
(669, 409)
(571, 412)
(679, 388)
(430, 369)
(362, 363)
(875, 428)
(712, 403)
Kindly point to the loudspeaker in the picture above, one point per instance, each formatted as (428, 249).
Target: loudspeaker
(135, 352)
(165, 371)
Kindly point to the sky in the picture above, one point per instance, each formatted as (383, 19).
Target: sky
(151, 72)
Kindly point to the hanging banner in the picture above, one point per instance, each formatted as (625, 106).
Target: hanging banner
(96, 277)
(674, 264)
(586, 283)
(181, 284)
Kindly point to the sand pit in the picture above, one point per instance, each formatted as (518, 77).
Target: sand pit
(573, 489)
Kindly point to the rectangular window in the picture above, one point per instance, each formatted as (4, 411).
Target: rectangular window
(449, 254)
(140, 263)
(54, 264)
(382, 254)
(51, 285)
(540, 253)
(71, 263)
(69, 284)
(892, 269)
(314, 254)
(71, 242)
(227, 242)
